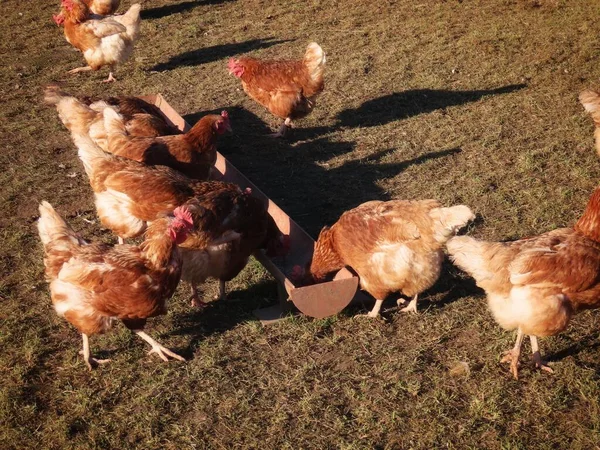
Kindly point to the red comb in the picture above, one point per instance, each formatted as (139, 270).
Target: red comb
(224, 114)
(183, 214)
(297, 273)
(248, 191)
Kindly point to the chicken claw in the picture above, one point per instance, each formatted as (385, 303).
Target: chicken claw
(512, 356)
(412, 306)
(540, 364)
(282, 129)
(161, 351)
(195, 299)
(110, 78)
(537, 357)
(79, 69)
(374, 313)
(90, 362)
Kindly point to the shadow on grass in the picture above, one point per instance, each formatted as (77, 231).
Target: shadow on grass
(167, 10)
(402, 105)
(298, 177)
(222, 315)
(215, 53)
(588, 342)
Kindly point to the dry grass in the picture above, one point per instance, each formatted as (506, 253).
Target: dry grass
(464, 101)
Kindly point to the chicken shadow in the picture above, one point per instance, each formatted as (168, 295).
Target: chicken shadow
(222, 315)
(589, 342)
(215, 53)
(167, 10)
(402, 105)
(298, 177)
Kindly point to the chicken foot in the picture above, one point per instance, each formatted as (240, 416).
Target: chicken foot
(374, 313)
(412, 306)
(195, 298)
(512, 356)
(89, 361)
(283, 129)
(110, 78)
(161, 351)
(537, 357)
(79, 69)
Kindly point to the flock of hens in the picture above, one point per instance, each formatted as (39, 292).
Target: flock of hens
(150, 180)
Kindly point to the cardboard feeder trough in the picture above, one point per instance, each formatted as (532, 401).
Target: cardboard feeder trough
(318, 300)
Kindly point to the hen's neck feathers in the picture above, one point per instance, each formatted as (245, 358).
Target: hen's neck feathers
(158, 246)
(203, 134)
(325, 258)
(589, 223)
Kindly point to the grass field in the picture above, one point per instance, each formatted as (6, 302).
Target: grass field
(470, 102)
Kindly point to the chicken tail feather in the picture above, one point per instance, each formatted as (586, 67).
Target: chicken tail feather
(75, 115)
(89, 153)
(449, 220)
(475, 257)
(131, 20)
(315, 59)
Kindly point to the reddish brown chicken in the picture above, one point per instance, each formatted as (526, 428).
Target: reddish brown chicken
(392, 246)
(288, 89)
(94, 284)
(105, 41)
(86, 115)
(237, 212)
(129, 194)
(536, 284)
(193, 153)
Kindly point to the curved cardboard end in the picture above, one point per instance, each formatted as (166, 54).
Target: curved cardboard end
(325, 299)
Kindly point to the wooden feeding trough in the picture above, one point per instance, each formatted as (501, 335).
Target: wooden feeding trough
(319, 300)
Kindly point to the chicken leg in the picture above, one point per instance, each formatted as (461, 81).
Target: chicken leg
(110, 78)
(412, 306)
(161, 351)
(79, 69)
(512, 356)
(283, 128)
(537, 357)
(195, 298)
(222, 294)
(375, 311)
(89, 361)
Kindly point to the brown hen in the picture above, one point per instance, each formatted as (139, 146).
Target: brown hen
(193, 153)
(94, 284)
(288, 89)
(534, 285)
(392, 246)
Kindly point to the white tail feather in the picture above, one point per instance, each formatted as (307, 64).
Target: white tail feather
(315, 59)
(89, 153)
(52, 227)
(449, 220)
